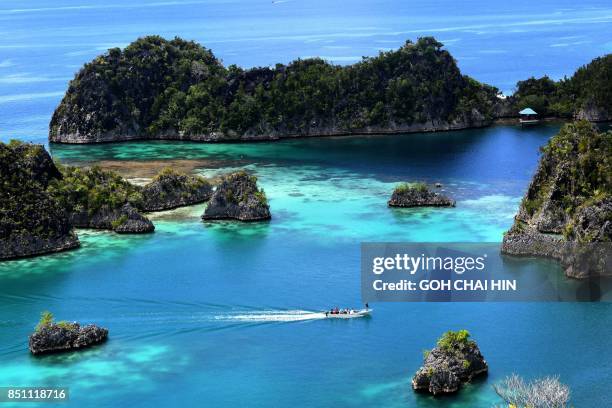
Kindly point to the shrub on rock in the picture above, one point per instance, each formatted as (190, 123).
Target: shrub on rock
(418, 195)
(50, 336)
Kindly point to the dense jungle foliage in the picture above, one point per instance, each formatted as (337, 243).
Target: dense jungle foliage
(156, 86)
(589, 88)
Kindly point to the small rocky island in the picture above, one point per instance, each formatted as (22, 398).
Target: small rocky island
(455, 360)
(566, 213)
(52, 337)
(122, 220)
(418, 195)
(171, 189)
(238, 197)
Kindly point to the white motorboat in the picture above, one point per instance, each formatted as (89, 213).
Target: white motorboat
(347, 313)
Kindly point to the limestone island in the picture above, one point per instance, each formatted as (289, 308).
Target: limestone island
(31, 221)
(52, 337)
(418, 195)
(237, 197)
(170, 189)
(566, 213)
(41, 202)
(158, 89)
(455, 360)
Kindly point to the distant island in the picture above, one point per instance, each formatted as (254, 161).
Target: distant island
(178, 90)
(586, 95)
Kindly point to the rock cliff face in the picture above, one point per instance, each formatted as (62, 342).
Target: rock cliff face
(566, 213)
(171, 189)
(455, 360)
(594, 113)
(123, 220)
(178, 90)
(418, 195)
(237, 197)
(53, 338)
(31, 222)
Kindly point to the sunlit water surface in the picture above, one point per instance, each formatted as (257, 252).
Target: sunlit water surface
(224, 314)
(227, 313)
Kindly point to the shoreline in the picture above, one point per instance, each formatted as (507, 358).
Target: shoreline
(274, 138)
(505, 121)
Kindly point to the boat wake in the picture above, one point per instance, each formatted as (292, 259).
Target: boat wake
(271, 316)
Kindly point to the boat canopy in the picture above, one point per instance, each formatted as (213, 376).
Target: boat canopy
(528, 111)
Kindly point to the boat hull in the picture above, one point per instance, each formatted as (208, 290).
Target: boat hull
(352, 315)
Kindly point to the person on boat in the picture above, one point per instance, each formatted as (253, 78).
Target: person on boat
(367, 306)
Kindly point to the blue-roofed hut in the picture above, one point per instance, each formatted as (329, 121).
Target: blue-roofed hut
(528, 117)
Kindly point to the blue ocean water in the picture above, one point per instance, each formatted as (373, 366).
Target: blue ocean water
(224, 314)
(220, 314)
(43, 44)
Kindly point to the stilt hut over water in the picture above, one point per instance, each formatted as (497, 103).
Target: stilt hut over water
(528, 117)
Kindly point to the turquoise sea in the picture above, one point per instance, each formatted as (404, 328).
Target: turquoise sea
(216, 314)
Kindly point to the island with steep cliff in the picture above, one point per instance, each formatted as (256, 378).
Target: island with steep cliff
(158, 89)
(237, 197)
(32, 222)
(171, 189)
(566, 213)
(178, 90)
(455, 360)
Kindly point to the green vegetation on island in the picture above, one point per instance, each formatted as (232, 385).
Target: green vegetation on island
(575, 173)
(31, 221)
(238, 197)
(585, 95)
(177, 89)
(405, 187)
(171, 189)
(50, 336)
(456, 359)
(452, 340)
(47, 320)
(41, 202)
(568, 204)
(418, 195)
(97, 198)
(91, 189)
